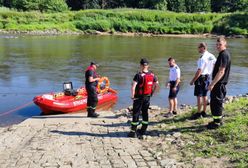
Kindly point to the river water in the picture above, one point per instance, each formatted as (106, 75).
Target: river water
(32, 65)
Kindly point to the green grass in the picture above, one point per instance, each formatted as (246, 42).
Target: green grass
(126, 20)
(230, 140)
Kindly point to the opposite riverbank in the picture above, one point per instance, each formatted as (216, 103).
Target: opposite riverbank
(73, 140)
(124, 21)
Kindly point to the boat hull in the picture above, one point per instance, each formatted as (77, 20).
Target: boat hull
(52, 104)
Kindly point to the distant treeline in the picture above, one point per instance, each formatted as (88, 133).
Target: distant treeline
(188, 6)
(127, 20)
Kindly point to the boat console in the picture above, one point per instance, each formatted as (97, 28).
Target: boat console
(68, 89)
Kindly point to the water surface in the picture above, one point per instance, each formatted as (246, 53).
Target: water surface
(32, 65)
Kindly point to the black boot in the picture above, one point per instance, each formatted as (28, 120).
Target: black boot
(215, 124)
(142, 131)
(133, 132)
(195, 116)
(92, 113)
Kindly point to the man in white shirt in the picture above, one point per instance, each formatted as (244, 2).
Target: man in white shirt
(173, 84)
(201, 79)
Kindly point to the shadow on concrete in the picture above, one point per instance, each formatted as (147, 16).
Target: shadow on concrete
(123, 124)
(153, 133)
(55, 116)
(110, 135)
(73, 116)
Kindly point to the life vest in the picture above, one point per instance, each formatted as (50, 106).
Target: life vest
(90, 68)
(146, 86)
(95, 75)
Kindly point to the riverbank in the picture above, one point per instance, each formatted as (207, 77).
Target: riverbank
(124, 21)
(73, 140)
(55, 32)
(14, 34)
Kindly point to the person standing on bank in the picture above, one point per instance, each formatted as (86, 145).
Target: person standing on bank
(144, 84)
(91, 80)
(173, 84)
(201, 79)
(217, 87)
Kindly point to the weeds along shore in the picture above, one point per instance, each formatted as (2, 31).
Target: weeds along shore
(117, 21)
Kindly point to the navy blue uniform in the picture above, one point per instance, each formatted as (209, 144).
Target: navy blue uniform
(92, 98)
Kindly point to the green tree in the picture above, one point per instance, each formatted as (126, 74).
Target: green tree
(153, 4)
(229, 5)
(41, 5)
(176, 5)
(5, 3)
(235, 5)
(198, 6)
(161, 5)
(83, 4)
(53, 5)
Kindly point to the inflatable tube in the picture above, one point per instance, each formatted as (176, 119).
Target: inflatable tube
(103, 85)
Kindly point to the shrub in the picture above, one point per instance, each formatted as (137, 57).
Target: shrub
(236, 23)
(237, 31)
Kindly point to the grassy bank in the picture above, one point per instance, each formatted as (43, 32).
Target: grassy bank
(126, 20)
(228, 143)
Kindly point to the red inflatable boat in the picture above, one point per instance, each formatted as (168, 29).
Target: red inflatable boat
(64, 102)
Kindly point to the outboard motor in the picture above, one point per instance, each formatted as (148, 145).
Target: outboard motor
(68, 89)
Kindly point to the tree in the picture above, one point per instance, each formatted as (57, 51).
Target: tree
(83, 4)
(41, 5)
(176, 5)
(229, 5)
(53, 5)
(153, 4)
(235, 5)
(6, 3)
(161, 5)
(197, 6)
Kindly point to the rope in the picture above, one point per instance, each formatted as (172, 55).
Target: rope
(15, 109)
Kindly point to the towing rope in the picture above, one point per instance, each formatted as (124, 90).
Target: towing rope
(15, 109)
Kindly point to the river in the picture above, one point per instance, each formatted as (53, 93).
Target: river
(32, 65)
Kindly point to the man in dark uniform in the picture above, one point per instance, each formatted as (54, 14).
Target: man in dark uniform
(144, 84)
(91, 78)
(218, 85)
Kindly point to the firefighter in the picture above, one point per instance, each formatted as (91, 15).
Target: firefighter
(91, 79)
(144, 84)
(220, 79)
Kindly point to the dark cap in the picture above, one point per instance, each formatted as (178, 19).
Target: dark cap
(94, 63)
(144, 62)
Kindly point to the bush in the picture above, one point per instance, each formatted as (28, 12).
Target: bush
(237, 31)
(236, 23)
(100, 25)
(1, 25)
